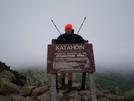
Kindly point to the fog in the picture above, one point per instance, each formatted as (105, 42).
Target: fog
(26, 30)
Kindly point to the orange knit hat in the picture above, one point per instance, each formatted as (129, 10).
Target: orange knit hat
(68, 26)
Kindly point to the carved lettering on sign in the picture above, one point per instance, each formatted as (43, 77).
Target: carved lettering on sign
(65, 47)
(70, 58)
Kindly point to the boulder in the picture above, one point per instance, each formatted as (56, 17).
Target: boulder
(38, 91)
(104, 99)
(77, 97)
(44, 97)
(65, 97)
(9, 75)
(76, 86)
(59, 95)
(5, 98)
(17, 97)
(28, 99)
(4, 67)
(112, 97)
(73, 93)
(26, 90)
(62, 91)
(7, 87)
(84, 92)
(98, 94)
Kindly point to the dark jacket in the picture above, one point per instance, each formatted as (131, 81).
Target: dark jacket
(69, 39)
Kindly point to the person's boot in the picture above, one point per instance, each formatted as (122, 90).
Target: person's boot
(69, 87)
(63, 84)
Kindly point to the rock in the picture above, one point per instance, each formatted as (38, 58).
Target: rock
(114, 97)
(18, 76)
(28, 99)
(73, 93)
(5, 98)
(8, 75)
(59, 96)
(98, 94)
(38, 91)
(62, 91)
(7, 87)
(84, 92)
(65, 97)
(17, 97)
(31, 87)
(85, 97)
(44, 97)
(77, 97)
(2, 99)
(104, 99)
(26, 90)
(76, 86)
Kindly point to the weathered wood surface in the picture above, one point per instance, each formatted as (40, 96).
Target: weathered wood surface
(70, 58)
(53, 87)
(92, 87)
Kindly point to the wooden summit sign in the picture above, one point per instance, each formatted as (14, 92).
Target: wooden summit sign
(70, 58)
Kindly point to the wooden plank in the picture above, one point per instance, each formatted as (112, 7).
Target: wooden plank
(83, 81)
(92, 87)
(53, 87)
(70, 58)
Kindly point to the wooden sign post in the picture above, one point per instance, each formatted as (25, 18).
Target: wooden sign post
(71, 58)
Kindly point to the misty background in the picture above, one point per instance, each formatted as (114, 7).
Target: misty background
(26, 30)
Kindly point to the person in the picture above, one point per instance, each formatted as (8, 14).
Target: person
(69, 37)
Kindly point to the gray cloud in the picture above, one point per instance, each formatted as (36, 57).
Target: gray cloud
(26, 30)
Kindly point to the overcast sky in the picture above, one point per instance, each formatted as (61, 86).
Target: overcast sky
(26, 30)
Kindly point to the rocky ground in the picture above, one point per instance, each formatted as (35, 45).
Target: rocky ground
(13, 87)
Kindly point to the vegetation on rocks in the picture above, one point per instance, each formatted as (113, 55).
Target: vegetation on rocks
(8, 75)
(8, 80)
(130, 95)
(36, 76)
(34, 85)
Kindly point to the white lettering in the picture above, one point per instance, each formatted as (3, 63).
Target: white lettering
(73, 47)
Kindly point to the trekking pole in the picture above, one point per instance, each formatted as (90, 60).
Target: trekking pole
(81, 25)
(57, 29)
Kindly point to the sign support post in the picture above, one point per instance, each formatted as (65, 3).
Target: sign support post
(92, 87)
(53, 87)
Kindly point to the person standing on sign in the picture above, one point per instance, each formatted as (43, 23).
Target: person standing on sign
(68, 38)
